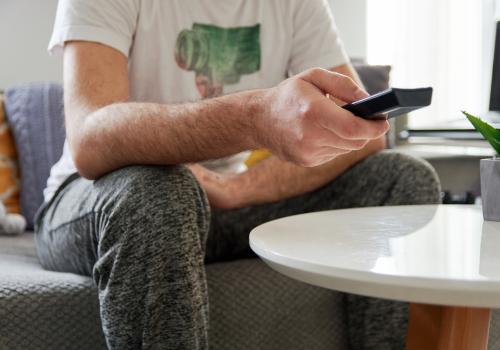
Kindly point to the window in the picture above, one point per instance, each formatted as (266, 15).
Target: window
(446, 44)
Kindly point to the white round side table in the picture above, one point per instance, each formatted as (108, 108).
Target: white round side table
(443, 259)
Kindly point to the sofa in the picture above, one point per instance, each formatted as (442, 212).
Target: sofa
(251, 306)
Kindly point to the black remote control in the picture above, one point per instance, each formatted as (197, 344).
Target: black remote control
(393, 102)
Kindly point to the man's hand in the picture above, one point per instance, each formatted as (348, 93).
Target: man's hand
(219, 187)
(300, 124)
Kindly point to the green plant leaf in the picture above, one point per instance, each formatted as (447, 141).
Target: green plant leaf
(491, 134)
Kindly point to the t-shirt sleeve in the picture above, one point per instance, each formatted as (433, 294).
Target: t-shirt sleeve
(315, 42)
(108, 22)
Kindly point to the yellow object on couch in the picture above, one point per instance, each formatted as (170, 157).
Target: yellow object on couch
(257, 156)
(9, 174)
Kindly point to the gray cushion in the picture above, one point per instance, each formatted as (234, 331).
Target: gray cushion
(375, 78)
(35, 113)
(252, 307)
(46, 310)
(22, 246)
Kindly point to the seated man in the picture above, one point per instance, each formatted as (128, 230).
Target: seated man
(153, 88)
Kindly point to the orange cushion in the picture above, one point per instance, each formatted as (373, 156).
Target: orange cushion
(9, 174)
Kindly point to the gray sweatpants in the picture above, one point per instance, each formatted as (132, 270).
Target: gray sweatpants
(144, 234)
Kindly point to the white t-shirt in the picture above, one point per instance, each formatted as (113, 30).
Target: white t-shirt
(185, 50)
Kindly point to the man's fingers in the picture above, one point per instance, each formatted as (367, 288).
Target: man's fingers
(326, 155)
(337, 119)
(348, 126)
(329, 139)
(336, 85)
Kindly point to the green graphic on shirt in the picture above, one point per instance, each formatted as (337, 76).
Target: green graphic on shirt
(219, 56)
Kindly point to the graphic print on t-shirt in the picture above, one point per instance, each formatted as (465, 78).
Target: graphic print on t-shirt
(218, 56)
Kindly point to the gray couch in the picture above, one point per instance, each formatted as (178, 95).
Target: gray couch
(251, 306)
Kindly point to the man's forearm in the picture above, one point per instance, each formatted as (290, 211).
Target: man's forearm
(272, 179)
(128, 133)
(294, 120)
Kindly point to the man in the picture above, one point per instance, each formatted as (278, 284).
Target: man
(153, 84)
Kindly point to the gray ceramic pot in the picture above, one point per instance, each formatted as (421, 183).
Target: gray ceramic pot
(490, 188)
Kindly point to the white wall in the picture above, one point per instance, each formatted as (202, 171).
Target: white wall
(351, 16)
(25, 27)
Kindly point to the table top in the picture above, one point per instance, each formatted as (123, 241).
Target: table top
(435, 254)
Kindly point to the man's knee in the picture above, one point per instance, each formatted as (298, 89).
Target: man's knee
(151, 236)
(153, 195)
(414, 180)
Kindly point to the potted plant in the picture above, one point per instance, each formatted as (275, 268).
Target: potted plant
(490, 170)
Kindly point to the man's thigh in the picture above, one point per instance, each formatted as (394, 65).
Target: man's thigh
(86, 218)
(66, 229)
(386, 178)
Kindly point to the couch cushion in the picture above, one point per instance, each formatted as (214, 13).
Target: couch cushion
(21, 246)
(46, 310)
(252, 307)
(36, 115)
(375, 78)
